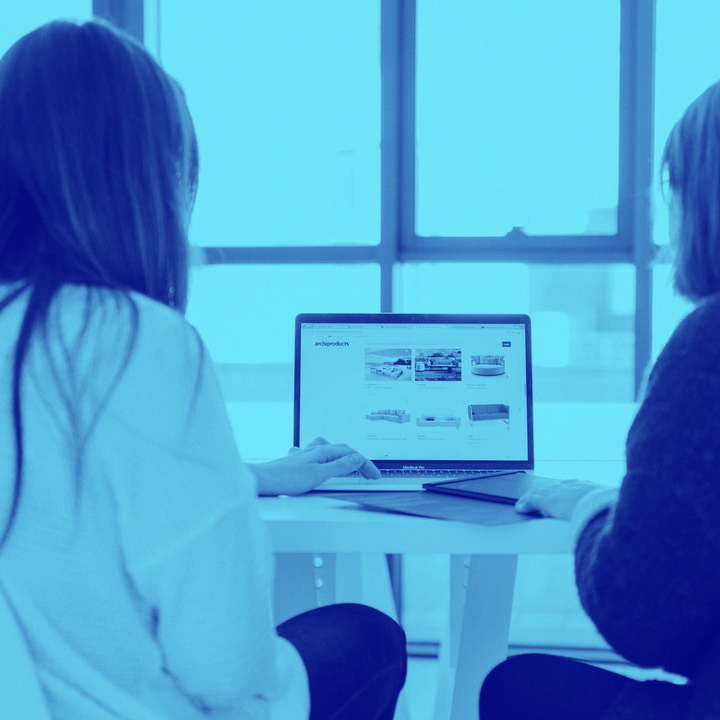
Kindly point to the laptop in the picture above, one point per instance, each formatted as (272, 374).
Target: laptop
(426, 397)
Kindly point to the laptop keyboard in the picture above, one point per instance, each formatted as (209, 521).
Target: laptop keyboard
(436, 474)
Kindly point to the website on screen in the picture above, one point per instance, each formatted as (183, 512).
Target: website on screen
(454, 391)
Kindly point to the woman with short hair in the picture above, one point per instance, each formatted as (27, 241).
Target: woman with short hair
(647, 558)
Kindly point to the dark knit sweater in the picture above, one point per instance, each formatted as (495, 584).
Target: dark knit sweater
(648, 571)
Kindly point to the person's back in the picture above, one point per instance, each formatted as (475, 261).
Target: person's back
(155, 514)
(646, 556)
(131, 548)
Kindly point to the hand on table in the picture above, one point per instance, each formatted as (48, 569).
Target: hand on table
(556, 501)
(304, 469)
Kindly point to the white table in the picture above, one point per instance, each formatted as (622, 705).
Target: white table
(351, 542)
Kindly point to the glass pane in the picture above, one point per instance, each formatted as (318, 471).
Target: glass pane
(583, 318)
(286, 102)
(517, 117)
(246, 313)
(23, 17)
(687, 60)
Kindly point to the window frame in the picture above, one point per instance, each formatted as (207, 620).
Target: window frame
(399, 242)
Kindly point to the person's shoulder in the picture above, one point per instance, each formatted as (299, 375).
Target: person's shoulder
(103, 325)
(161, 322)
(692, 352)
(165, 337)
(161, 372)
(703, 318)
(697, 336)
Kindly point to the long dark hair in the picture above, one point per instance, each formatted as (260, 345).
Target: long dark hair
(98, 173)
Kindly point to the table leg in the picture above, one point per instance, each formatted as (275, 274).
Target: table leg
(295, 585)
(481, 597)
(304, 581)
(363, 578)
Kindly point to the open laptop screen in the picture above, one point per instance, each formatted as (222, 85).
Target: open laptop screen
(435, 391)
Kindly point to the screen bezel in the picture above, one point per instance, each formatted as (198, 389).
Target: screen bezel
(425, 318)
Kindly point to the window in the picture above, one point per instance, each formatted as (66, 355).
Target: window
(287, 105)
(687, 61)
(582, 318)
(26, 16)
(286, 101)
(517, 117)
(246, 313)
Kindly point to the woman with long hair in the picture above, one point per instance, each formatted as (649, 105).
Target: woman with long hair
(132, 551)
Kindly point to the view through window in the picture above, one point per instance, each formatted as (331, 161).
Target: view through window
(286, 102)
(517, 117)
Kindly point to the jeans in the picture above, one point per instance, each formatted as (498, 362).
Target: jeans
(356, 660)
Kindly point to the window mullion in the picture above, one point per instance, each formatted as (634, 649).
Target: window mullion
(637, 84)
(128, 15)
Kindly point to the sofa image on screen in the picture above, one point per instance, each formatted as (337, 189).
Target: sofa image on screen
(388, 371)
(487, 365)
(438, 421)
(478, 413)
(398, 416)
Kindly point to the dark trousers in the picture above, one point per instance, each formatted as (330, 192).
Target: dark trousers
(548, 687)
(356, 660)
(540, 687)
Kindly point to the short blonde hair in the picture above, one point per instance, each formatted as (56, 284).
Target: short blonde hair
(691, 166)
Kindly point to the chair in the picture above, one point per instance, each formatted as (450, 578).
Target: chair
(20, 693)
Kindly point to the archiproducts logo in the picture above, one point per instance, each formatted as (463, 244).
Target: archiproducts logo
(336, 343)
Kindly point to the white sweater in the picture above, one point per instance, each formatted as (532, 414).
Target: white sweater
(144, 588)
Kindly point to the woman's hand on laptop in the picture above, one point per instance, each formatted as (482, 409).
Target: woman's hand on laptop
(304, 469)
